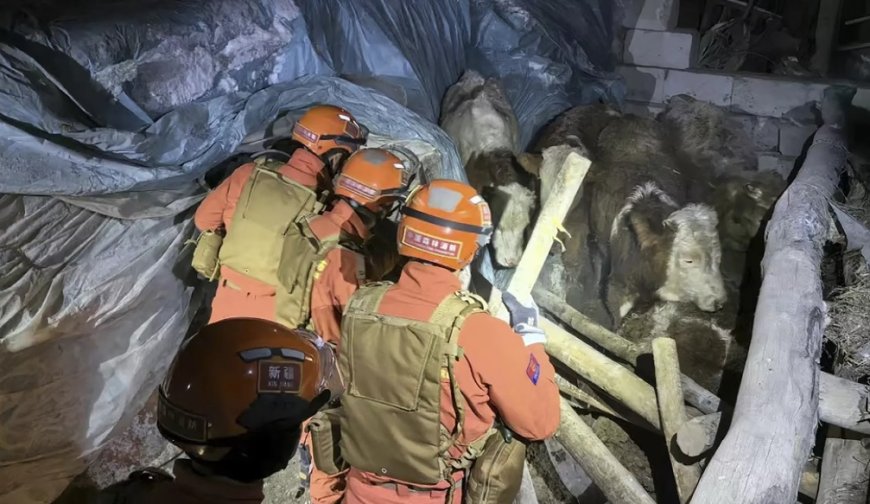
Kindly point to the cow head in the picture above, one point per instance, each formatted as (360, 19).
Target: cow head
(692, 273)
(742, 203)
(513, 206)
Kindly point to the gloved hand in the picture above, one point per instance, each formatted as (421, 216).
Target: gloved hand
(524, 319)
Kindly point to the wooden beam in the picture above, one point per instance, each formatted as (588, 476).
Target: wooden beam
(565, 189)
(614, 480)
(574, 392)
(844, 403)
(827, 32)
(606, 339)
(696, 395)
(596, 368)
(698, 435)
(673, 412)
(574, 168)
(844, 474)
(761, 457)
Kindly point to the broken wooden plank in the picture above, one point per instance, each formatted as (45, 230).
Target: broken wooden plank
(761, 457)
(673, 412)
(614, 480)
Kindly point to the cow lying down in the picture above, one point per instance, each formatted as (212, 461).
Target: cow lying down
(480, 120)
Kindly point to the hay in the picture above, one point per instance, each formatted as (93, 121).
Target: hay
(850, 323)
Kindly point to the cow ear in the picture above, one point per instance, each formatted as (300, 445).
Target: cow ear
(643, 230)
(753, 192)
(530, 162)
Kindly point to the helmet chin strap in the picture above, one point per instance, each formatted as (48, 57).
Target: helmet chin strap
(368, 217)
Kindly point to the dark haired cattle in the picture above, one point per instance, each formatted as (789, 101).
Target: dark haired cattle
(636, 235)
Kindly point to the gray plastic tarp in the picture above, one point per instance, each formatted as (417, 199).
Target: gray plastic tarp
(112, 113)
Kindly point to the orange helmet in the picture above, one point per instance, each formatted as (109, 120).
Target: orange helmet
(373, 178)
(238, 384)
(444, 222)
(324, 128)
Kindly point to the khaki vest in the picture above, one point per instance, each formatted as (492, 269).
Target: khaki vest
(302, 260)
(269, 206)
(393, 368)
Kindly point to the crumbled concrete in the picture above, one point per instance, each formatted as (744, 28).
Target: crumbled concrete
(763, 96)
(651, 14)
(643, 84)
(662, 49)
(710, 87)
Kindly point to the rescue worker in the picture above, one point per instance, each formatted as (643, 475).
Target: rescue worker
(236, 392)
(243, 220)
(323, 265)
(428, 371)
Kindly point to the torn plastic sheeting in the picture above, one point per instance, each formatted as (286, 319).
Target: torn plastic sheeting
(183, 144)
(85, 333)
(163, 54)
(550, 56)
(418, 45)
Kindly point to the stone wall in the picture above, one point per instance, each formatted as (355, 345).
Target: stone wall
(658, 62)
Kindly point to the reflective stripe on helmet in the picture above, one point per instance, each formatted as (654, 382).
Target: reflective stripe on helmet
(438, 221)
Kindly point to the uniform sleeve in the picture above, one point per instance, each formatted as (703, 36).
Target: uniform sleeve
(520, 379)
(210, 213)
(340, 279)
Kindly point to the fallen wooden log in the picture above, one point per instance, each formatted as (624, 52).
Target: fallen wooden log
(698, 435)
(601, 336)
(614, 480)
(575, 392)
(761, 457)
(695, 394)
(593, 366)
(672, 411)
(844, 473)
(844, 403)
(574, 168)
(567, 184)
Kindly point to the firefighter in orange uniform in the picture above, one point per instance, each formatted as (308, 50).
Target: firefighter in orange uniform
(243, 220)
(236, 392)
(429, 374)
(325, 264)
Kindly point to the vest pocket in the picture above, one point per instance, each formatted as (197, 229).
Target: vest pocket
(390, 366)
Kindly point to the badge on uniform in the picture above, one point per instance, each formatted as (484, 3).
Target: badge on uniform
(533, 370)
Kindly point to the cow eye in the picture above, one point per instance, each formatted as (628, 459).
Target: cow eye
(689, 261)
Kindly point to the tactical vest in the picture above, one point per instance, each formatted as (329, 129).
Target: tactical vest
(302, 260)
(269, 206)
(393, 368)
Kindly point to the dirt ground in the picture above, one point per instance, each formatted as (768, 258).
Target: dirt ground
(140, 446)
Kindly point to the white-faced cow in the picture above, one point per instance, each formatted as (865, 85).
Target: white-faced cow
(480, 120)
(637, 237)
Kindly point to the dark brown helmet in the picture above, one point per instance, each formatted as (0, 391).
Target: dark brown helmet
(236, 385)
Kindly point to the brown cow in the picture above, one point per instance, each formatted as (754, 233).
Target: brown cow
(636, 235)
